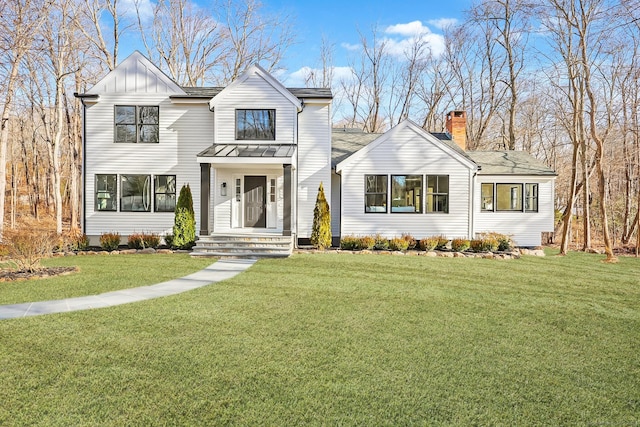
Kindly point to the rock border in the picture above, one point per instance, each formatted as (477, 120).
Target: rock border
(514, 254)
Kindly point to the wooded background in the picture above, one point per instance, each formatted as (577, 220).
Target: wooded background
(556, 78)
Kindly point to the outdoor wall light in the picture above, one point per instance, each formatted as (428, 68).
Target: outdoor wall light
(223, 189)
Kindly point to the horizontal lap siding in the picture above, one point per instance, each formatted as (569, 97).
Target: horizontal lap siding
(185, 130)
(314, 163)
(254, 93)
(405, 154)
(525, 228)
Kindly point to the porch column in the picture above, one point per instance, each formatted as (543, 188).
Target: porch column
(205, 194)
(286, 221)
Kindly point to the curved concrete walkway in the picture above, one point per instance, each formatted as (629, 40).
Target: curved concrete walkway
(216, 272)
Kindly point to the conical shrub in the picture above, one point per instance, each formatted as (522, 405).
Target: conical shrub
(321, 230)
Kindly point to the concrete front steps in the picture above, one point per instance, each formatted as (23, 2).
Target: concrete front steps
(244, 245)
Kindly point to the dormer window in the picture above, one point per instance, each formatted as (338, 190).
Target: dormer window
(137, 123)
(256, 125)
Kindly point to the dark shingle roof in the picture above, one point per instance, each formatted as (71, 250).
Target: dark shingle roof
(345, 142)
(509, 163)
(210, 92)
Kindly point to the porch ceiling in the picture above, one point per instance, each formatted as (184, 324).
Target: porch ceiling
(248, 153)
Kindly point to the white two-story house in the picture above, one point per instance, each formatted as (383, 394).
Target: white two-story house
(254, 154)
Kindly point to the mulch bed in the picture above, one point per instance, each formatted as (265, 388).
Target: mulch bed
(9, 275)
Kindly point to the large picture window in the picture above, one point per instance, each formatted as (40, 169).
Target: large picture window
(164, 190)
(406, 193)
(137, 123)
(135, 193)
(106, 199)
(437, 193)
(375, 193)
(531, 197)
(256, 125)
(509, 197)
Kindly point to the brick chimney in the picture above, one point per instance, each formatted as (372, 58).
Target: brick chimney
(456, 125)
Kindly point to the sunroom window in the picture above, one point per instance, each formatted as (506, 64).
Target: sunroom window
(256, 125)
(438, 193)
(406, 193)
(509, 197)
(487, 197)
(531, 197)
(375, 193)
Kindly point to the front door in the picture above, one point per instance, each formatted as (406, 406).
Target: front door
(255, 199)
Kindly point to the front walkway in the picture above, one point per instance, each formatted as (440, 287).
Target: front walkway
(220, 270)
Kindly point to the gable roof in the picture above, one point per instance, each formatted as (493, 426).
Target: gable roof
(203, 92)
(509, 163)
(136, 74)
(256, 70)
(345, 142)
(446, 145)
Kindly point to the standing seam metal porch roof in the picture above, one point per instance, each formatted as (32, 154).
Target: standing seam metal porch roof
(249, 150)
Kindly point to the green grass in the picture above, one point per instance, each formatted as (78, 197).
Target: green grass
(98, 274)
(331, 339)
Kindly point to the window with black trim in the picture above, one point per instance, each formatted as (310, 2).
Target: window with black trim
(164, 190)
(135, 193)
(375, 193)
(487, 197)
(437, 194)
(509, 197)
(531, 197)
(256, 125)
(137, 123)
(406, 193)
(106, 188)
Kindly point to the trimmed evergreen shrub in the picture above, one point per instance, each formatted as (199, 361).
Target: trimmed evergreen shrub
(411, 241)
(151, 240)
(321, 230)
(184, 226)
(110, 241)
(135, 241)
(367, 242)
(349, 243)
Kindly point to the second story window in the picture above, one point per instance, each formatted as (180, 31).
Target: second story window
(256, 125)
(137, 123)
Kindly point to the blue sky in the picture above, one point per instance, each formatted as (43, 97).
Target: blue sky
(339, 22)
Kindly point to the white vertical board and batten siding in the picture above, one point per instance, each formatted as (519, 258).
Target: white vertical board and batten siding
(525, 228)
(184, 130)
(314, 162)
(406, 152)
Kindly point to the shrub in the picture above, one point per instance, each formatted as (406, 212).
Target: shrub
(398, 244)
(441, 242)
(151, 240)
(135, 241)
(429, 243)
(110, 241)
(381, 243)
(349, 243)
(504, 242)
(367, 242)
(26, 246)
(168, 239)
(79, 242)
(184, 226)
(460, 245)
(486, 244)
(321, 230)
(411, 241)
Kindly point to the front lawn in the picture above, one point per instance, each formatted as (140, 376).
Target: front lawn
(331, 339)
(101, 273)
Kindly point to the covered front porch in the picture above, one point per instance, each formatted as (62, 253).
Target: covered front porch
(247, 193)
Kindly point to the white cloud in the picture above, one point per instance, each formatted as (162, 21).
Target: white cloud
(350, 46)
(298, 78)
(443, 23)
(128, 8)
(409, 29)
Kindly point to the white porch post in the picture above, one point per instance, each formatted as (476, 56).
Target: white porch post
(286, 221)
(205, 194)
